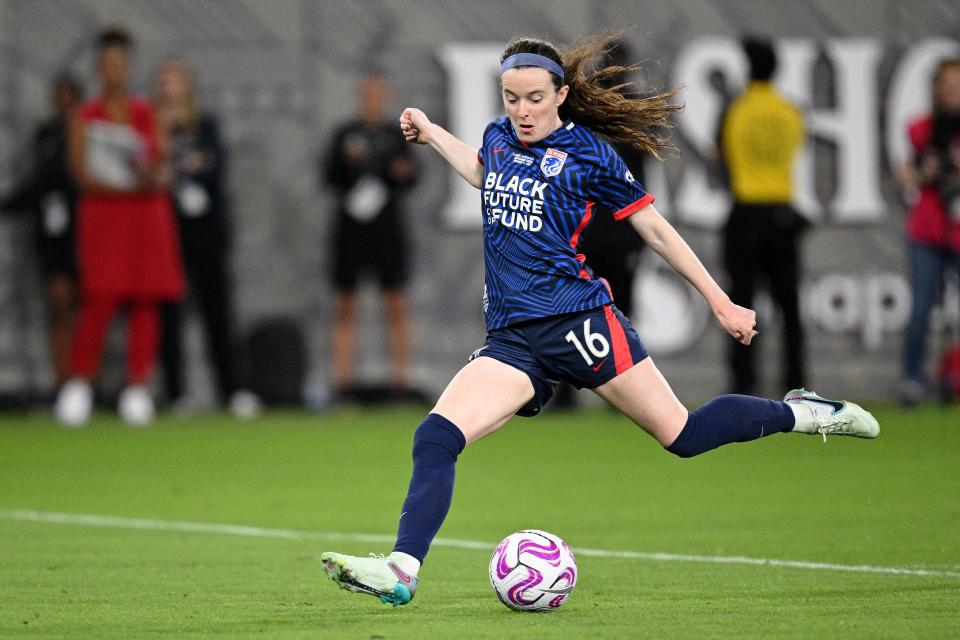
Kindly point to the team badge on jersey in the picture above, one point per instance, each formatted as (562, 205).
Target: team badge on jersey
(552, 162)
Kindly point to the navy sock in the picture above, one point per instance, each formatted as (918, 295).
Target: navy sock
(731, 418)
(436, 445)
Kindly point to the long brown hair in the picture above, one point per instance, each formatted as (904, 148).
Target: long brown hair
(599, 97)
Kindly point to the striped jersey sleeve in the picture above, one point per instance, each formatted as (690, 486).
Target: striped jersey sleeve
(483, 145)
(613, 186)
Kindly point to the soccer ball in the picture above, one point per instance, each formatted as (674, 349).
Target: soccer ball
(533, 570)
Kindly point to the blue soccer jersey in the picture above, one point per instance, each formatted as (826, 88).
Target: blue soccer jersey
(537, 200)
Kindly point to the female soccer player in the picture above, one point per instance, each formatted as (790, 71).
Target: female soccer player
(540, 171)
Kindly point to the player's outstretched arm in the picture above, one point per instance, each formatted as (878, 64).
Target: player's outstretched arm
(660, 236)
(416, 127)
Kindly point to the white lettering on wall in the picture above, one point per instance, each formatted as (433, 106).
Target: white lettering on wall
(854, 127)
(697, 201)
(851, 124)
(794, 78)
(473, 83)
(869, 306)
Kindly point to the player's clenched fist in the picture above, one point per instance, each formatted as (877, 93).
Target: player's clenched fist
(413, 124)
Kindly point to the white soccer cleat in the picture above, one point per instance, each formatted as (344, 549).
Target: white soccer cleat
(74, 403)
(833, 417)
(376, 576)
(136, 406)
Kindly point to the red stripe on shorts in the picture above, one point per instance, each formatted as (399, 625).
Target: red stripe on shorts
(621, 350)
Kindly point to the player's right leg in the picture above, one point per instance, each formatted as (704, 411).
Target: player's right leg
(643, 395)
(478, 401)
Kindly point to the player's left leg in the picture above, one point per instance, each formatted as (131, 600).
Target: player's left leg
(478, 401)
(643, 395)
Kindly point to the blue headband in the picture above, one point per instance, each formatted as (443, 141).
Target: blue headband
(531, 60)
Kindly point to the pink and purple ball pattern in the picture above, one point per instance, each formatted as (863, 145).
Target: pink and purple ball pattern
(532, 570)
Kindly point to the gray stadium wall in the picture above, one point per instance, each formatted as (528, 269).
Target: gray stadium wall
(282, 73)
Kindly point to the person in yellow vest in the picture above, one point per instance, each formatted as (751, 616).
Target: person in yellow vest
(760, 136)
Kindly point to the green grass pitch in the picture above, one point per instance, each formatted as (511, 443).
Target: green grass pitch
(589, 477)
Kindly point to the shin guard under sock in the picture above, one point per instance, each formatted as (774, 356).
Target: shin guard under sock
(731, 418)
(436, 445)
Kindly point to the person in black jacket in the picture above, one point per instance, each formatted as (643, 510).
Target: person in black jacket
(368, 165)
(198, 163)
(49, 194)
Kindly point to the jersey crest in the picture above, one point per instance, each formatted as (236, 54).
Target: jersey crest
(552, 162)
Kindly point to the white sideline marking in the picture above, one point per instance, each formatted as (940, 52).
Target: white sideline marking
(91, 520)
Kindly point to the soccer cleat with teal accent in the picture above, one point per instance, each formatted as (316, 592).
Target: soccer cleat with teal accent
(376, 576)
(833, 417)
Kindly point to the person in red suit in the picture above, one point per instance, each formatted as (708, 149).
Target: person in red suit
(127, 247)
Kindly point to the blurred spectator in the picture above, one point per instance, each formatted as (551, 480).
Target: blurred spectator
(126, 237)
(49, 194)
(368, 165)
(198, 162)
(933, 222)
(760, 136)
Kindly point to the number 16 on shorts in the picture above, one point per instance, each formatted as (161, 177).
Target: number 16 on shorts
(596, 343)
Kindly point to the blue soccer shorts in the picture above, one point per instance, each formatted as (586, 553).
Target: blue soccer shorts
(586, 349)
